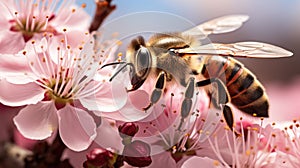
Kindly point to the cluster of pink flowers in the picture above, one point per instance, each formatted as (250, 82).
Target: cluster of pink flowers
(50, 64)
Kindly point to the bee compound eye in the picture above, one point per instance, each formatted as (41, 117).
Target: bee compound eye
(143, 59)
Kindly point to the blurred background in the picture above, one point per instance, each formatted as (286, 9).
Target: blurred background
(275, 22)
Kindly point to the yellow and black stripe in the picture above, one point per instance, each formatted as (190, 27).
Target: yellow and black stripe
(246, 92)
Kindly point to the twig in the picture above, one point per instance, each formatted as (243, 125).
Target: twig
(103, 9)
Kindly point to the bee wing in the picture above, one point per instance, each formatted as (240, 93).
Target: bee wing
(240, 49)
(219, 25)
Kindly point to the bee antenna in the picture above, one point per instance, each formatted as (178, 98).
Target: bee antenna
(120, 71)
(113, 63)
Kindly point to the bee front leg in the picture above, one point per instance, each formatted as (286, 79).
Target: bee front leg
(220, 98)
(187, 102)
(157, 92)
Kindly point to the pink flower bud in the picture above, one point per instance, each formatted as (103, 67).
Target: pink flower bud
(128, 129)
(99, 157)
(137, 154)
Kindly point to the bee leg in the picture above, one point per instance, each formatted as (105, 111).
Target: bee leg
(187, 102)
(220, 98)
(157, 92)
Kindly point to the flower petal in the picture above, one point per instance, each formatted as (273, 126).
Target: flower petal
(15, 69)
(205, 162)
(110, 97)
(11, 42)
(5, 15)
(20, 94)
(77, 128)
(37, 121)
(108, 136)
(79, 19)
(165, 158)
(132, 110)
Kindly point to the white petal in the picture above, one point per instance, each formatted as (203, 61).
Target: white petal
(110, 97)
(77, 128)
(108, 136)
(37, 121)
(11, 42)
(15, 69)
(132, 110)
(20, 94)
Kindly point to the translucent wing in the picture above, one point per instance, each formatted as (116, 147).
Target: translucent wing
(240, 49)
(219, 25)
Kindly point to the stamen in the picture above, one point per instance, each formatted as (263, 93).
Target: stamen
(30, 9)
(215, 148)
(46, 23)
(32, 24)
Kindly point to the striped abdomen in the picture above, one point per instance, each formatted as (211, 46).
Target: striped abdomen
(246, 92)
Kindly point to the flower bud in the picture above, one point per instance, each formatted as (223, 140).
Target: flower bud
(128, 129)
(137, 154)
(99, 157)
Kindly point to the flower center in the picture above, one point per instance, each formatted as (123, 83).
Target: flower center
(30, 17)
(28, 25)
(59, 92)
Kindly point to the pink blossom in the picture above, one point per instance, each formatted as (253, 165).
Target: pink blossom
(286, 141)
(167, 132)
(261, 147)
(253, 148)
(23, 20)
(107, 138)
(58, 88)
(133, 109)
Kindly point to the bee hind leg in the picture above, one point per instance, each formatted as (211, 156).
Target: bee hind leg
(219, 99)
(157, 92)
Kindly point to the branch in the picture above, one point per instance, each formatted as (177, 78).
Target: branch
(103, 9)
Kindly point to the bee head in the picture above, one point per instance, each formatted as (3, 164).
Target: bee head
(140, 57)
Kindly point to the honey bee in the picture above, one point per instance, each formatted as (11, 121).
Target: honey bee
(183, 58)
